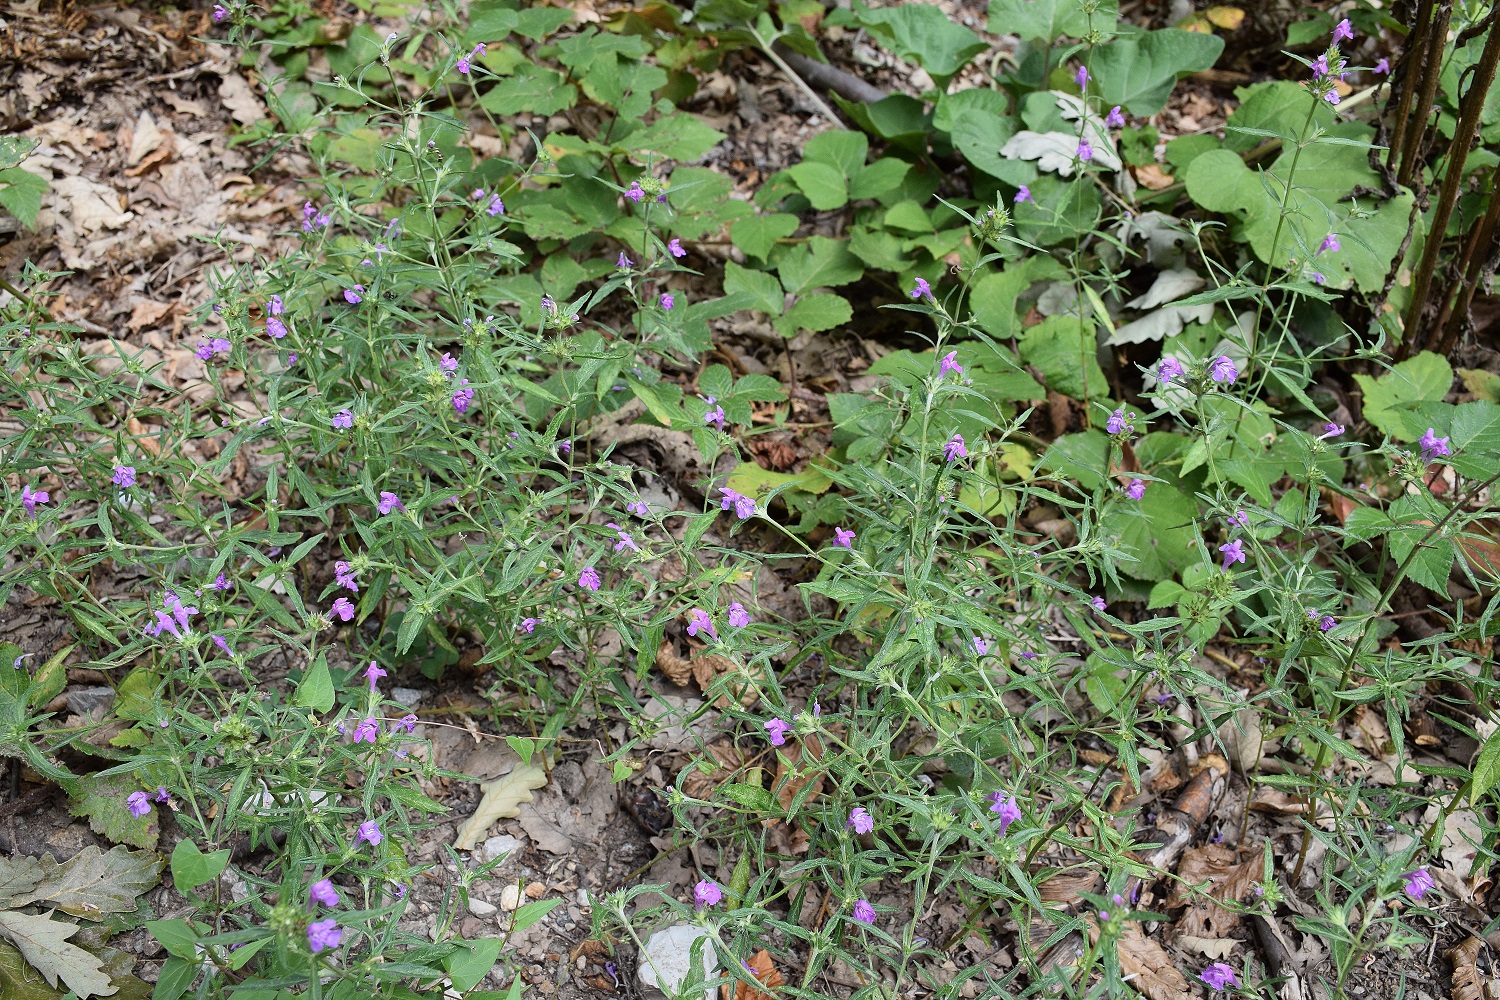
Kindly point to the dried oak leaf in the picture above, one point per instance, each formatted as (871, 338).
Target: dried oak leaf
(502, 800)
(1468, 982)
(1149, 967)
(705, 669)
(764, 970)
(723, 761)
(1226, 878)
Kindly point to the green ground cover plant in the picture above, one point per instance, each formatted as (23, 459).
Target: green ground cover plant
(1107, 453)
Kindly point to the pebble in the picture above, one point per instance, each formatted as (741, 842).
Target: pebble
(670, 951)
(410, 697)
(480, 908)
(82, 701)
(510, 897)
(498, 846)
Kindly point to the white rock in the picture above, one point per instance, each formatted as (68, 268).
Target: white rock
(510, 897)
(410, 697)
(480, 908)
(498, 846)
(669, 953)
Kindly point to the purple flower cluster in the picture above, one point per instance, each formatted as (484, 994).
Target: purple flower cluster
(31, 498)
(313, 218)
(209, 349)
(174, 619)
(743, 506)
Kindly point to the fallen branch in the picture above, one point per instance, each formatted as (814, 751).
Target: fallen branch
(846, 85)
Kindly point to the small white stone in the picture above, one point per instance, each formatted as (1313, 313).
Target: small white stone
(510, 897)
(498, 846)
(410, 697)
(669, 952)
(480, 908)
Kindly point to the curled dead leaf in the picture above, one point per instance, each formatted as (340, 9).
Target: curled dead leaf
(1149, 967)
(705, 669)
(1468, 981)
(764, 970)
(1217, 871)
(502, 800)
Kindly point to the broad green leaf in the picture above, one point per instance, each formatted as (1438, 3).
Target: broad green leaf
(752, 289)
(472, 960)
(533, 90)
(89, 884)
(192, 868)
(751, 480)
(677, 136)
(908, 216)
(923, 33)
(315, 691)
(177, 936)
(821, 262)
(823, 185)
(1059, 211)
(980, 134)
(101, 798)
(1078, 456)
(1138, 72)
(1051, 19)
(1422, 378)
(1326, 174)
(816, 312)
(1278, 106)
(1064, 350)
(15, 148)
(879, 178)
(843, 150)
(21, 194)
(995, 296)
(757, 234)
(1157, 534)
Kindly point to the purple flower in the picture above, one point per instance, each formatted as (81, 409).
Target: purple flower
(1097, 603)
(277, 307)
(1167, 369)
(354, 296)
(462, 397)
(447, 364)
(949, 363)
(1085, 151)
(634, 193)
(715, 417)
(1115, 119)
(955, 449)
(496, 207)
(220, 13)
(373, 673)
(863, 912)
(343, 576)
(369, 830)
(667, 302)
(638, 508)
(1082, 76)
(407, 722)
(700, 624)
(1004, 806)
(30, 498)
(1330, 244)
(1327, 623)
(843, 537)
(1223, 370)
(343, 420)
(124, 476)
(623, 262)
(528, 625)
(342, 609)
(707, 893)
(323, 934)
(860, 820)
(463, 64)
(588, 579)
(1116, 422)
(1240, 519)
(1343, 31)
(1382, 65)
(366, 732)
(674, 247)
(1023, 193)
(1332, 97)
(922, 288)
(1319, 66)
(1331, 430)
(1136, 489)
(743, 505)
(475, 53)
(275, 327)
(162, 795)
(204, 352)
(738, 616)
(623, 541)
(322, 891)
(1234, 552)
(981, 645)
(566, 447)
(220, 346)
(1218, 976)
(312, 218)
(139, 804)
(1433, 446)
(389, 502)
(1318, 277)
(776, 731)
(1418, 883)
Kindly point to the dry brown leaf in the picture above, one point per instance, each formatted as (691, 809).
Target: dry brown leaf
(502, 800)
(147, 313)
(1214, 948)
(1150, 967)
(1228, 18)
(727, 759)
(144, 436)
(1227, 880)
(705, 669)
(1468, 982)
(764, 970)
(797, 768)
(1064, 885)
(1153, 177)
